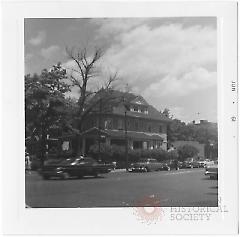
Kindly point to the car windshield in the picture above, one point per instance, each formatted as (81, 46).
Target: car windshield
(68, 161)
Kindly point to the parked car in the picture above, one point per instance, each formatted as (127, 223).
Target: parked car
(201, 163)
(212, 170)
(174, 164)
(196, 164)
(146, 165)
(187, 164)
(164, 166)
(208, 162)
(74, 167)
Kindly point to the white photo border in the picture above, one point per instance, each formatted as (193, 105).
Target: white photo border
(19, 220)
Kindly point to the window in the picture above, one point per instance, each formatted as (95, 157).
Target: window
(160, 128)
(137, 145)
(150, 145)
(135, 108)
(108, 123)
(158, 144)
(66, 146)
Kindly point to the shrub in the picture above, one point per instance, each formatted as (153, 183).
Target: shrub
(117, 153)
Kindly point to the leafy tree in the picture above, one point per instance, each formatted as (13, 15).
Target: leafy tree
(45, 103)
(187, 151)
(202, 133)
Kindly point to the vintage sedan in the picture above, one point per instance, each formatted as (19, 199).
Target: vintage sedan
(187, 164)
(146, 165)
(74, 167)
(201, 163)
(174, 164)
(212, 170)
(196, 164)
(165, 166)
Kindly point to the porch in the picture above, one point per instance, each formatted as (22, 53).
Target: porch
(135, 140)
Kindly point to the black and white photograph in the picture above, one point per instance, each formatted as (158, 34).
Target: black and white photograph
(121, 111)
(119, 118)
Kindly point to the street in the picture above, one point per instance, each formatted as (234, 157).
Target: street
(185, 187)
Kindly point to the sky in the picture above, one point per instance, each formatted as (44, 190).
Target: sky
(171, 62)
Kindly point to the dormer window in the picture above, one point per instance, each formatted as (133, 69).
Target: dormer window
(135, 108)
(139, 109)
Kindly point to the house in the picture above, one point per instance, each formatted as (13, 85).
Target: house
(125, 119)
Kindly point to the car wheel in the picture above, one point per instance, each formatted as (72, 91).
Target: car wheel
(95, 174)
(65, 175)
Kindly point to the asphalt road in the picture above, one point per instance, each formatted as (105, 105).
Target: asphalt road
(185, 187)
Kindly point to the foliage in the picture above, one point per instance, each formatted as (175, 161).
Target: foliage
(187, 151)
(110, 153)
(44, 97)
(45, 103)
(206, 134)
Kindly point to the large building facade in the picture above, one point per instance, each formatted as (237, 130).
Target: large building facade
(131, 121)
